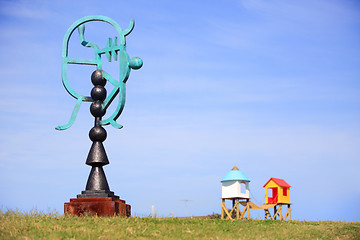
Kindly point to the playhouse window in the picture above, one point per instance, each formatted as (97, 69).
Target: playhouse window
(243, 187)
(284, 191)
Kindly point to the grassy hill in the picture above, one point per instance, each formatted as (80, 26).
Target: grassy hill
(14, 225)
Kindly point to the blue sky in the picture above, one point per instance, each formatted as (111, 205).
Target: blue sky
(272, 87)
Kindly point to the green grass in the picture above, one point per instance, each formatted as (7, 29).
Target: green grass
(34, 225)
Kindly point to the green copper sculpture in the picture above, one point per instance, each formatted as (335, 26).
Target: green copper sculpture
(97, 193)
(114, 49)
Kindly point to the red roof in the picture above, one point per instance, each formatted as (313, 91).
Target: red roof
(279, 182)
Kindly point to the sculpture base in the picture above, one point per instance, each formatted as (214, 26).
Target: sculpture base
(102, 207)
(97, 194)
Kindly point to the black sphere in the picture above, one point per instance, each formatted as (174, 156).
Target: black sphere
(97, 78)
(98, 93)
(96, 109)
(97, 134)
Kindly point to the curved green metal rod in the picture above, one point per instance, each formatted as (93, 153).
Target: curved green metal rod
(73, 115)
(112, 50)
(118, 86)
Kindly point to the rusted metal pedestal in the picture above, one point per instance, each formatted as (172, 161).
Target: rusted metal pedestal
(102, 207)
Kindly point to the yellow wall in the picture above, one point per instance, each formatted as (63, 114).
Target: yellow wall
(284, 199)
(281, 198)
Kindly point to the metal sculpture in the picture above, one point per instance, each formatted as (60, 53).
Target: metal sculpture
(115, 49)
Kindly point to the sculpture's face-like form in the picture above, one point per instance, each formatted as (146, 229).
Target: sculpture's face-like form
(112, 50)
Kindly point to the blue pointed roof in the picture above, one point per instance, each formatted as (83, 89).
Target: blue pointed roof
(235, 174)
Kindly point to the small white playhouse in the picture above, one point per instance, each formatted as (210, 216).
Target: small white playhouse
(235, 185)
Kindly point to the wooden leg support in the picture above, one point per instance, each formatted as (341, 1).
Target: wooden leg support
(288, 213)
(235, 205)
(267, 214)
(248, 210)
(289, 209)
(278, 212)
(223, 209)
(275, 212)
(237, 209)
(245, 210)
(225, 214)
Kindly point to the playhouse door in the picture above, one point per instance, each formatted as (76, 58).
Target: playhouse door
(274, 196)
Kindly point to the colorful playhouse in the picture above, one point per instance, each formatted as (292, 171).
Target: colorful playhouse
(235, 187)
(277, 191)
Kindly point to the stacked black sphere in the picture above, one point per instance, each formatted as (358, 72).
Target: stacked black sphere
(98, 94)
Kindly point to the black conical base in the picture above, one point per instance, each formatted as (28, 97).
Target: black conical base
(97, 155)
(97, 185)
(97, 179)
